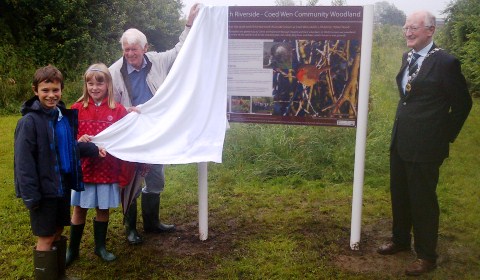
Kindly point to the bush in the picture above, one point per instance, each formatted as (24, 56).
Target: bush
(15, 79)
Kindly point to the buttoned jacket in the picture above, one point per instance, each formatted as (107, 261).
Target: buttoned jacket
(432, 113)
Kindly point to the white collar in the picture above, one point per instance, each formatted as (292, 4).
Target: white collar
(60, 116)
(423, 52)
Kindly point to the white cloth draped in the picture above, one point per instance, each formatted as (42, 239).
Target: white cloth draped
(185, 121)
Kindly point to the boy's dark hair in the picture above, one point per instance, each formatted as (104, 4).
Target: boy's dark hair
(47, 74)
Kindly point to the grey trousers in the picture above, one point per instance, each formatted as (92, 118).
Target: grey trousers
(155, 179)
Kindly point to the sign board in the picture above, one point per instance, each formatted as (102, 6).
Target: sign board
(294, 65)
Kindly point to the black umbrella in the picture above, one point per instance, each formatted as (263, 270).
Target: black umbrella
(132, 177)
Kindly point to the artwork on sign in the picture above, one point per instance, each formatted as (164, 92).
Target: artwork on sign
(294, 65)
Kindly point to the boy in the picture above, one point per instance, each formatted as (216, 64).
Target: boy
(46, 166)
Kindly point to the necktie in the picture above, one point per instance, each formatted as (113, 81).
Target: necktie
(413, 65)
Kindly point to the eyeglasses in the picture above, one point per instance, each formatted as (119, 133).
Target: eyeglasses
(413, 29)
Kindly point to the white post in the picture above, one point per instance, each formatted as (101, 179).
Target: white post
(202, 200)
(361, 137)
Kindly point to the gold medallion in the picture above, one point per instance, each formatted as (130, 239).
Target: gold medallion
(408, 87)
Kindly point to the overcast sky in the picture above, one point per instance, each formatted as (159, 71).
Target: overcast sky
(407, 6)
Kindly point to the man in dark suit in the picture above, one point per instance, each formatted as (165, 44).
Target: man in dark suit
(434, 103)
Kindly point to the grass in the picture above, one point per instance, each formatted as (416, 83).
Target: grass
(277, 228)
(279, 205)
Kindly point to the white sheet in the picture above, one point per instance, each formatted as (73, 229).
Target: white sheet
(185, 121)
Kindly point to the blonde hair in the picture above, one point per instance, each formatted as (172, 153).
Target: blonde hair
(100, 73)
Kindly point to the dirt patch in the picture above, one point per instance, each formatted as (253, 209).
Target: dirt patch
(185, 241)
(365, 261)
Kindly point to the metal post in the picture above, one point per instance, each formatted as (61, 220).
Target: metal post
(361, 137)
(203, 200)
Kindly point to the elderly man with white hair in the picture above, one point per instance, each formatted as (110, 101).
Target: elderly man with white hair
(433, 106)
(136, 78)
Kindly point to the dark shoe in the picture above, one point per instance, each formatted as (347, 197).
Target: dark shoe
(133, 237)
(150, 215)
(419, 267)
(391, 248)
(160, 228)
(100, 237)
(76, 232)
(45, 264)
(130, 220)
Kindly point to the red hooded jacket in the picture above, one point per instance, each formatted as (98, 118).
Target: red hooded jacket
(92, 120)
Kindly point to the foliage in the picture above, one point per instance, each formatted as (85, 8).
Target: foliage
(311, 3)
(158, 19)
(387, 13)
(386, 60)
(277, 150)
(279, 204)
(461, 36)
(15, 78)
(339, 2)
(72, 35)
(284, 2)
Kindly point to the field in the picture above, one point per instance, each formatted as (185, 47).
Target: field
(279, 205)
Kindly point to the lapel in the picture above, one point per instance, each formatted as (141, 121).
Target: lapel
(400, 75)
(427, 66)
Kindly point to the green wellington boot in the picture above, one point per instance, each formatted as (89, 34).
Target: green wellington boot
(130, 220)
(73, 251)
(150, 214)
(100, 236)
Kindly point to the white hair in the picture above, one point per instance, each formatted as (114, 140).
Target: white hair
(134, 36)
(430, 19)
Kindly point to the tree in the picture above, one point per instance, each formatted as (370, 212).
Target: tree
(386, 13)
(74, 34)
(339, 2)
(158, 19)
(461, 36)
(284, 3)
(311, 3)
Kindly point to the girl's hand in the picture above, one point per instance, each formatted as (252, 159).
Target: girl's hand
(133, 109)
(85, 138)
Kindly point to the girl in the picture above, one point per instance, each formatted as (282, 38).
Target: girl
(97, 110)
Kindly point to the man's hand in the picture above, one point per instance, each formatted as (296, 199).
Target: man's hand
(193, 14)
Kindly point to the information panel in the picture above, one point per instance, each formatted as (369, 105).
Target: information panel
(294, 65)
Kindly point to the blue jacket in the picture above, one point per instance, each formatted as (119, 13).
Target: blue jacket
(36, 164)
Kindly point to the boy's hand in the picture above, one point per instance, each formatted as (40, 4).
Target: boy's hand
(102, 152)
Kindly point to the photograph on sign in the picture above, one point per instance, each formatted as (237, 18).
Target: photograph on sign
(294, 65)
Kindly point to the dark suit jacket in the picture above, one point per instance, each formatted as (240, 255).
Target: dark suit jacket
(432, 114)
